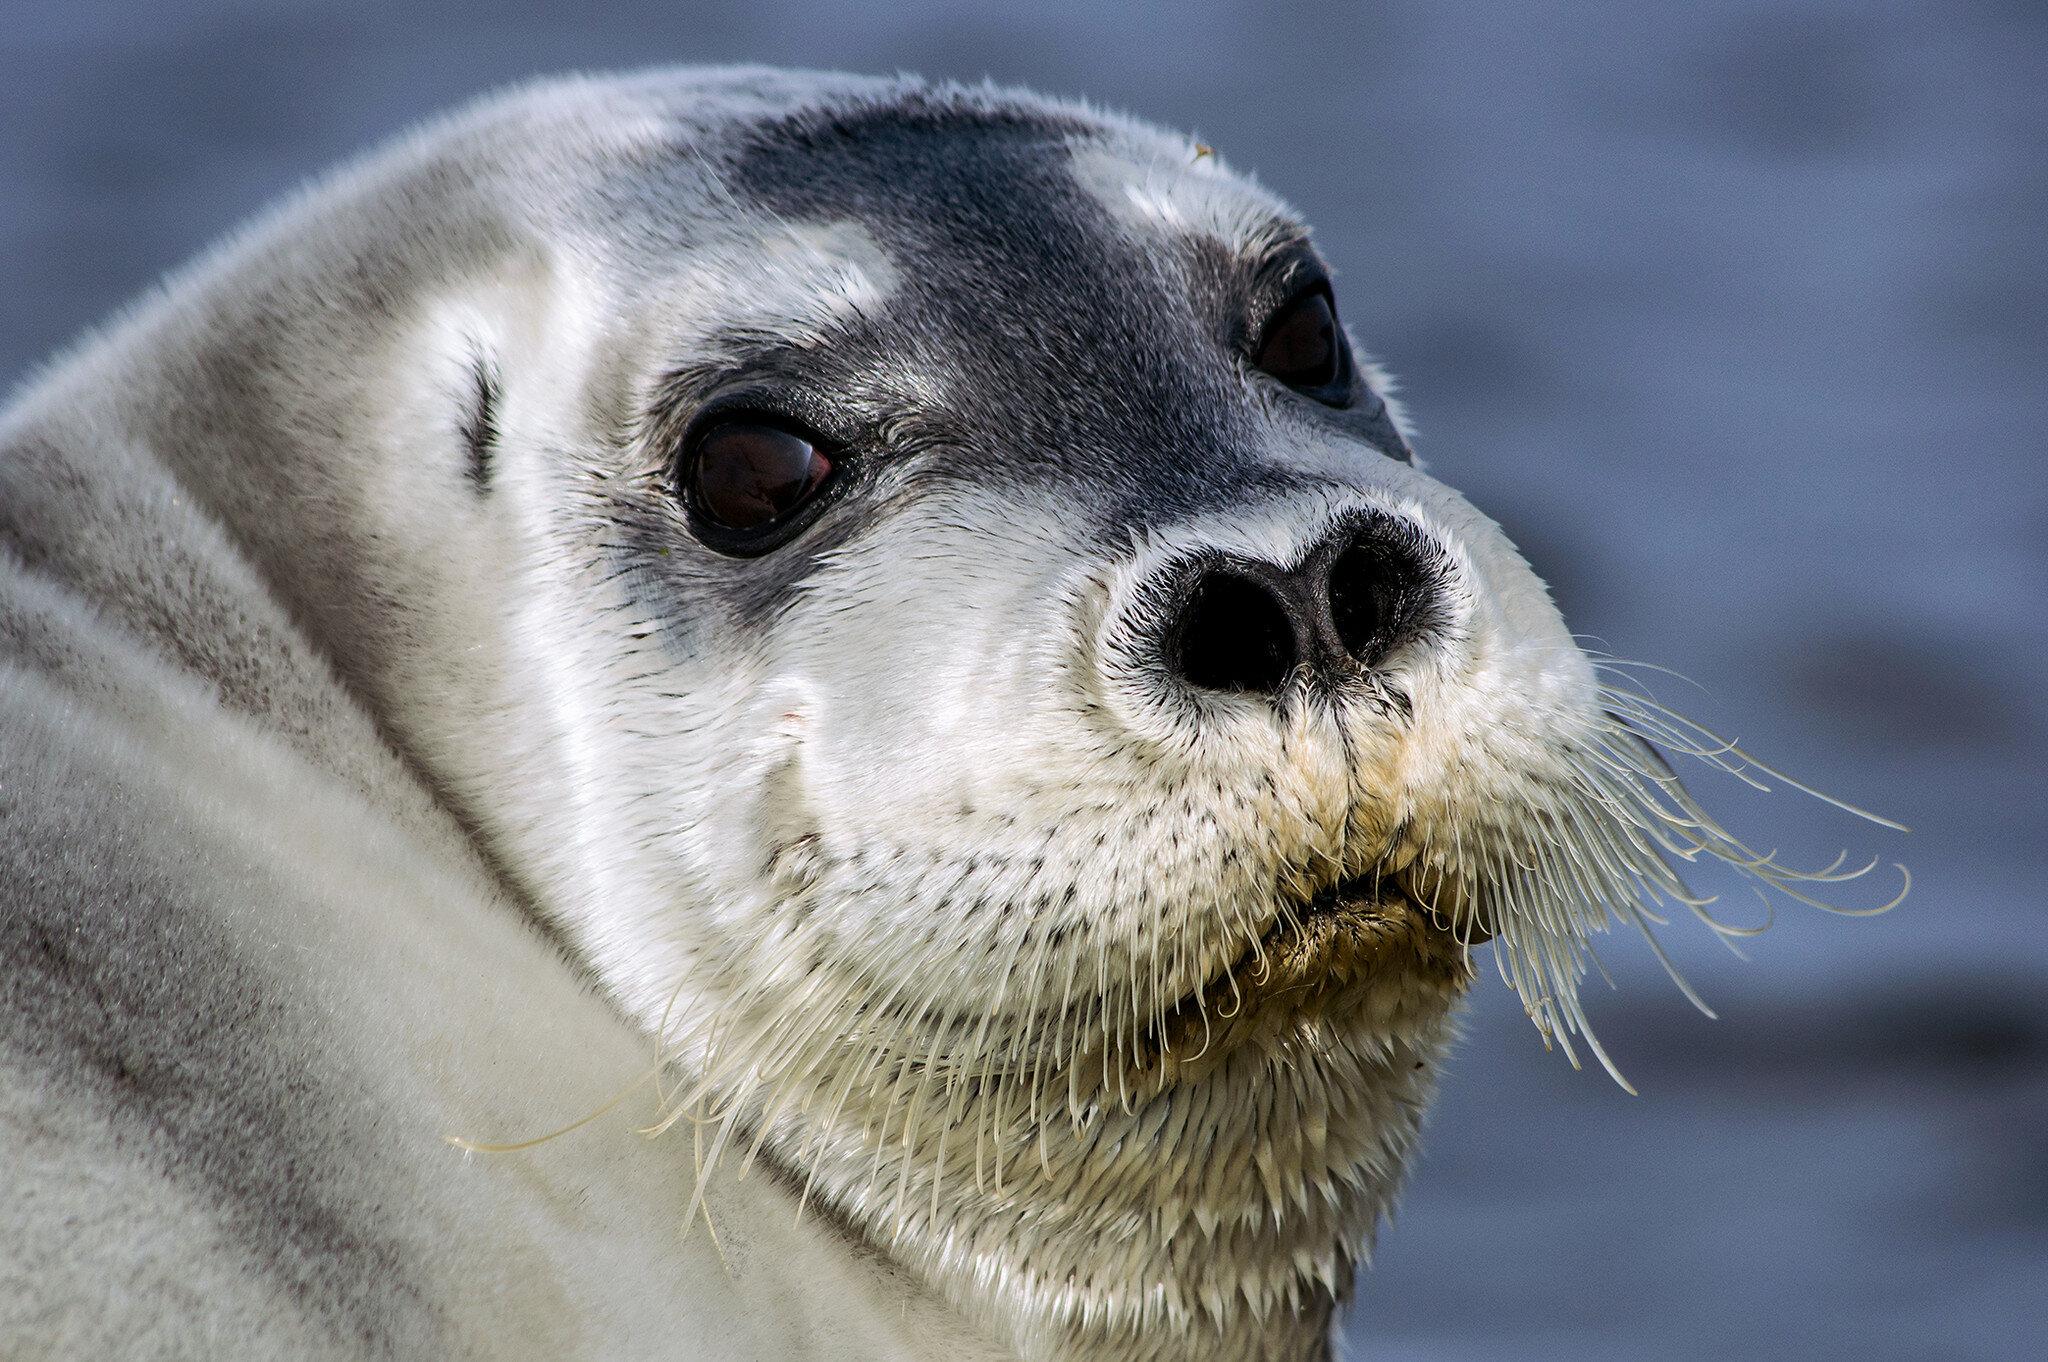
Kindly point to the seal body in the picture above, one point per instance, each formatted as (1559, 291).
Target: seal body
(895, 606)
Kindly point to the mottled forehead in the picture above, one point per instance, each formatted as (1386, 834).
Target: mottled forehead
(954, 174)
(1065, 293)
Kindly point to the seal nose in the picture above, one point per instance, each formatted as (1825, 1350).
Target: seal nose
(1246, 625)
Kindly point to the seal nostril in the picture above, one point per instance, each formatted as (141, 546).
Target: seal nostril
(1234, 635)
(1373, 584)
(1355, 601)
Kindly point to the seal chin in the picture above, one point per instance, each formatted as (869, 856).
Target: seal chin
(1385, 936)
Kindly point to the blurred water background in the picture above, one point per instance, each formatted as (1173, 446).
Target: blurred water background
(1734, 314)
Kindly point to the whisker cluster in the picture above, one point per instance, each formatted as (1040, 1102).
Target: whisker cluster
(838, 1041)
(1595, 846)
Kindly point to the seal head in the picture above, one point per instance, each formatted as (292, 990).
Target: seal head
(920, 591)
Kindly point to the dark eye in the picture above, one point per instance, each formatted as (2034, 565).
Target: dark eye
(746, 475)
(1303, 348)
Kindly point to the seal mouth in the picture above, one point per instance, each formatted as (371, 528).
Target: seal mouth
(1320, 957)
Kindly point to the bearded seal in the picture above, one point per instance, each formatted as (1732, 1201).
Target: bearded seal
(895, 612)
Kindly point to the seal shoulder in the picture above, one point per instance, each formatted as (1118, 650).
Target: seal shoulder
(250, 978)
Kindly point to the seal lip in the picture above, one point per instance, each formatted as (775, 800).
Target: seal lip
(1317, 957)
(1345, 905)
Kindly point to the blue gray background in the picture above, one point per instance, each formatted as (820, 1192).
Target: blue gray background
(1733, 314)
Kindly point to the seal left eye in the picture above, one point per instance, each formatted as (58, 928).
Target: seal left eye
(1303, 348)
(748, 475)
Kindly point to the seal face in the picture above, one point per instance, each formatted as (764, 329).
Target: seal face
(918, 590)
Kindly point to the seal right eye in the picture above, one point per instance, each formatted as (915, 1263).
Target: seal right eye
(748, 476)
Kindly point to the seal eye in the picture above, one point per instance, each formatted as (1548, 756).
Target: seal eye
(1303, 348)
(746, 475)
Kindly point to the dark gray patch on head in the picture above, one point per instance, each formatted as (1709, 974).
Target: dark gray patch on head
(1065, 350)
(1069, 355)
